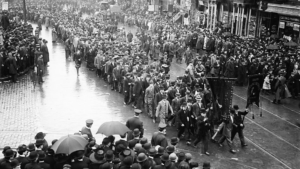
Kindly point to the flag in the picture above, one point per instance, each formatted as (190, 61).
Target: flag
(222, 92)
(254, 86)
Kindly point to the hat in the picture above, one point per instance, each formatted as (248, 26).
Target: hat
(42, 155)
(198, 97)
(206, 165)
(173, 157)
(152, 151)
(109, 155)
(31, 147)
(9, 153)
(22, 148)
(126, 153)
(39, 142)
(181, 156)
(40, 135)
(235, 107)
(14, 163)
(136, 166)
(188, 156)
(137, 111)
(33, 155)
(170, 149)
(136, 132)
(128, 161)
(147, 146)
(141, 157)
(164, 157)
(143, 140)
(5, 148)
(138, 146)
(174, 140)
(97, 157)
(161, 150)
(106, 166)
(89, 121)
(162, 126)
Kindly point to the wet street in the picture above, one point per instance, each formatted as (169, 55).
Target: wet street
(64, 101)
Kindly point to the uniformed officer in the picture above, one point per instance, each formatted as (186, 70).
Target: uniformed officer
(135, 123)
(87, 129)
(159, 138)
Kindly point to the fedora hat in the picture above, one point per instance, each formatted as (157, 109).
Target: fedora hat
(9, 153)
(170, 149)
(128, 161)
(141, 157)
(174, 140)
(161, 150)
(136, 132)
(164, 157)
(152, 151)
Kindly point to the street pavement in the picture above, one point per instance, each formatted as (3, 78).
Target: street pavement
(64, 101)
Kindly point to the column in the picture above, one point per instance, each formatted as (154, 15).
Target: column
(237, 20)
(233, 17)
(215, 15)
(221, 12)
(249, 20)
(242, 20)
(208, 15)
(211, 15)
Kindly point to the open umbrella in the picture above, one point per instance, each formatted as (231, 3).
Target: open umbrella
(226, 34)
(291, 44)
(69, 144)
(272, 47)
(112, 128)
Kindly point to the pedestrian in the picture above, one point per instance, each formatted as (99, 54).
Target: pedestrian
(135, 123)
(77, 57)
(40, 69)
(12, 65)
(159, 138)
(238, 124)
(87, 129)
(149, 99)
(280, 87)
(163, 109)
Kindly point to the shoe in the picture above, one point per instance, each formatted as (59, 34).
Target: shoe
(220, 145)
(124, 103)
(207, 153)
(244, 145)
(153, 121)
(188, 143)
(232, 151)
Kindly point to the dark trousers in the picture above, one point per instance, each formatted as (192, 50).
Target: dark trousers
(126, 97)
(13, 77)
(240, 133)
(204, 139)
(229, 142)
(181, 130)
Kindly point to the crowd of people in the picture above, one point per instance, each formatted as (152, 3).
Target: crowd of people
(138, 66)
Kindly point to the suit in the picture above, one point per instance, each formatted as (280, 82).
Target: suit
(159, 139)
(44, 165)
(157, 99)
(87, 131)
(197, 109)
(80, 163)
(149, 100)
(126, 90)
(162, 110)
(133, 123)
(238, 125)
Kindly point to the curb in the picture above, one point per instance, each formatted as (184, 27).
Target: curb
(2, 79)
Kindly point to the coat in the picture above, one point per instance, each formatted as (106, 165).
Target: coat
(159, 139)
(5, 22)
(44, 50)
(133, 123)
(11, 62)
(40, 66)
(162, 110)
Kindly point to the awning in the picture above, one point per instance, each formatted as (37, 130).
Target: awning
(283, 9)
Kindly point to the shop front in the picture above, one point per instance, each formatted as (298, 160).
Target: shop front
(289, 28)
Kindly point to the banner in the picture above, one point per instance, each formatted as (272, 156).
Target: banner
(4, 6)
(255, 83)
(151, 8)
(222, 92)
(177, 16)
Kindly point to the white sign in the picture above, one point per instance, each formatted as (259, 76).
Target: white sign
(281, 25)
(186, 21)
(5, 6)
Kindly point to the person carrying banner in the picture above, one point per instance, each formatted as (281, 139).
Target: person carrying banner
(238, 124)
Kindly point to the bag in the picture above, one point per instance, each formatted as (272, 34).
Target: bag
(287, 92)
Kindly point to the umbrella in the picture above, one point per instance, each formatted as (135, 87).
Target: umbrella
(112, 128)
(226, 34)
(291, 44)
(69, 144)
(272, 47)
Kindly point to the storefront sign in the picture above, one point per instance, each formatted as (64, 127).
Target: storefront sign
(282, 25)
(296, 27)
(286, 18)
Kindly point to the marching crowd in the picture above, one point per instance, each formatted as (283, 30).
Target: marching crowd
(138, 66)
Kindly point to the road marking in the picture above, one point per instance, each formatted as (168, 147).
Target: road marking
(265, 151)
(298, 127)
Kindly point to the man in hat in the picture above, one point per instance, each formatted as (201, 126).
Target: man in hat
(79, 161)
(163, 109)
(135, 123)
(198, 107)
(12, 65)
(238, 124)
(116, 76)
(159, 138)
(33, 158)
(149, 99)
(22, 151)
(8, 156)
(126, 88)
(87, 129)
(280, 87)
(41, 160)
